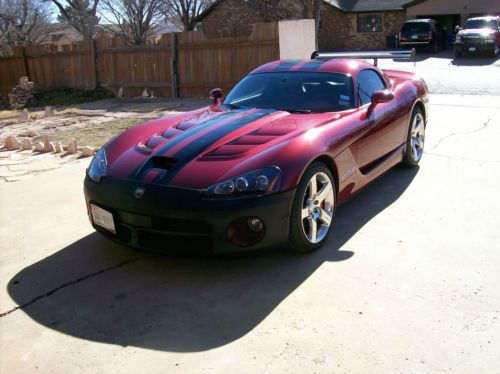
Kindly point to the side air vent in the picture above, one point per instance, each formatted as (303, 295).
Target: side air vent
(164, 163)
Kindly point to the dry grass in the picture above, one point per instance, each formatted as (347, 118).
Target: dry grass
(94, 135)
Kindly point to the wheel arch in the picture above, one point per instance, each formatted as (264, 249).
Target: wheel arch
(330, 163)
(420, 105)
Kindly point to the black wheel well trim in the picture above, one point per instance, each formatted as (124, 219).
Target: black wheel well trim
(328, 161)
(420, 105)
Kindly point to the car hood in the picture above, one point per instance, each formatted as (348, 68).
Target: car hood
(199, 148)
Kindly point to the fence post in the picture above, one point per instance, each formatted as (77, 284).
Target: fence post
(95, 58)
(173, 66)
(22, 52)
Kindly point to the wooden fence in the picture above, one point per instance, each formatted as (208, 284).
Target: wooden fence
(185, 64)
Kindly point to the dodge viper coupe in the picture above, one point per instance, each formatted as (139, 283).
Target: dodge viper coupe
(265, 167)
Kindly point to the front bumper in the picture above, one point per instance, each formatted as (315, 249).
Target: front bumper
(474, 46)
(177, 220)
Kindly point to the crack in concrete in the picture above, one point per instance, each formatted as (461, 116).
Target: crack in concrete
(484, 126)
(81, 279)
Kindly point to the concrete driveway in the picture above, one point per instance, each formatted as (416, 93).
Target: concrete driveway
(475, 75)
(408, 281)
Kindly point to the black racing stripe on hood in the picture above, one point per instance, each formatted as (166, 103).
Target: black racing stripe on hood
(193, 150)
(185, 135)
(313, 65)
(286, 65)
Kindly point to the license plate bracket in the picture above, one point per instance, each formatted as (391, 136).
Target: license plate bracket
(103, 218)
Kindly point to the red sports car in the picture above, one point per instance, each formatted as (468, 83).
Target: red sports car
(265, 167)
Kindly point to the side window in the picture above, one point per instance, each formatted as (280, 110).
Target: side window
(368, 82)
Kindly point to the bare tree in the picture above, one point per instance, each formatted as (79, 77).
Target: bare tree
(23, 22)
(81, 14)
(134, 20)
(187, 11)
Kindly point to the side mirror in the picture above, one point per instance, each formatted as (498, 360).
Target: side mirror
(216, 95)
(382, 96)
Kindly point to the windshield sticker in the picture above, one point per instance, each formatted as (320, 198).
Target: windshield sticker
(344, 103)
(344, 97)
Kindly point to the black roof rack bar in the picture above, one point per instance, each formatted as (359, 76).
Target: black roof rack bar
(400, 54)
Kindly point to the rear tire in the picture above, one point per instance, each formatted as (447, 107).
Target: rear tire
(415, 140)
(313, 209)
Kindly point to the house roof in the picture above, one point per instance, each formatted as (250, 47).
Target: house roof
(369, 5)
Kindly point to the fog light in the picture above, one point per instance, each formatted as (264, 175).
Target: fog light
(246, 231)
(255, 224)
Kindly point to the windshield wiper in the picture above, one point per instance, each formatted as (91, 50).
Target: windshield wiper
(233, 106)
(296, 110)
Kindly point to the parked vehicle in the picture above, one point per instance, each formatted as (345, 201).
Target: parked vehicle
(426, 33)
(478, 35)
(267, 166)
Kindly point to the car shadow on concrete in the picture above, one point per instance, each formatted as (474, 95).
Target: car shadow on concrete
(180, 304)
(480, 60)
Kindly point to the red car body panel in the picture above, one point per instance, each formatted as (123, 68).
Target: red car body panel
(359, 144)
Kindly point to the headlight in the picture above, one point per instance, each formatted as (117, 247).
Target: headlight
(490, 38)
(257, 182)
(98, 166)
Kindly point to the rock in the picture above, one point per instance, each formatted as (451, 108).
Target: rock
(48, 146)
(12, 143)
(26, 144)
(49, 111)
(88, 152)
(72, 147)
(25, 116)
(120, 93)
(59, 148)
(22, 93)
(39, 147)
(145, 93)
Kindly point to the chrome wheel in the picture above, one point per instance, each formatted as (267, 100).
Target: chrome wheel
(417, 137)
(317, 207)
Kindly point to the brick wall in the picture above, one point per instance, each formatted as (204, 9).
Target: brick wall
(235, 17)
(339, 30)
(230, 18)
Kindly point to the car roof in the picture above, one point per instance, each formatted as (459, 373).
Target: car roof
(341, 66)
(426, 20)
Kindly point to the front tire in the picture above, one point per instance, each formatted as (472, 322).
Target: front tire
(313, 209)
(415, 140)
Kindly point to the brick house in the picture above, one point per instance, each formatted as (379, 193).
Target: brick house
(345, 24)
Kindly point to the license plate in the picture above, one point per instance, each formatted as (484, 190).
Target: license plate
(103, 218)
(472, 49)
(414, 36)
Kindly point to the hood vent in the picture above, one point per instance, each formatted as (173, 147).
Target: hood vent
(164, 163)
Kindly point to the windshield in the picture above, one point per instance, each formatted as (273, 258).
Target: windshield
(294, 91)
(415, 27)
(480, 24)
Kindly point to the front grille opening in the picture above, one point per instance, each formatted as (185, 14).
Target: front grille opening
(176, 244)
(165, 163)
(181, 225)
